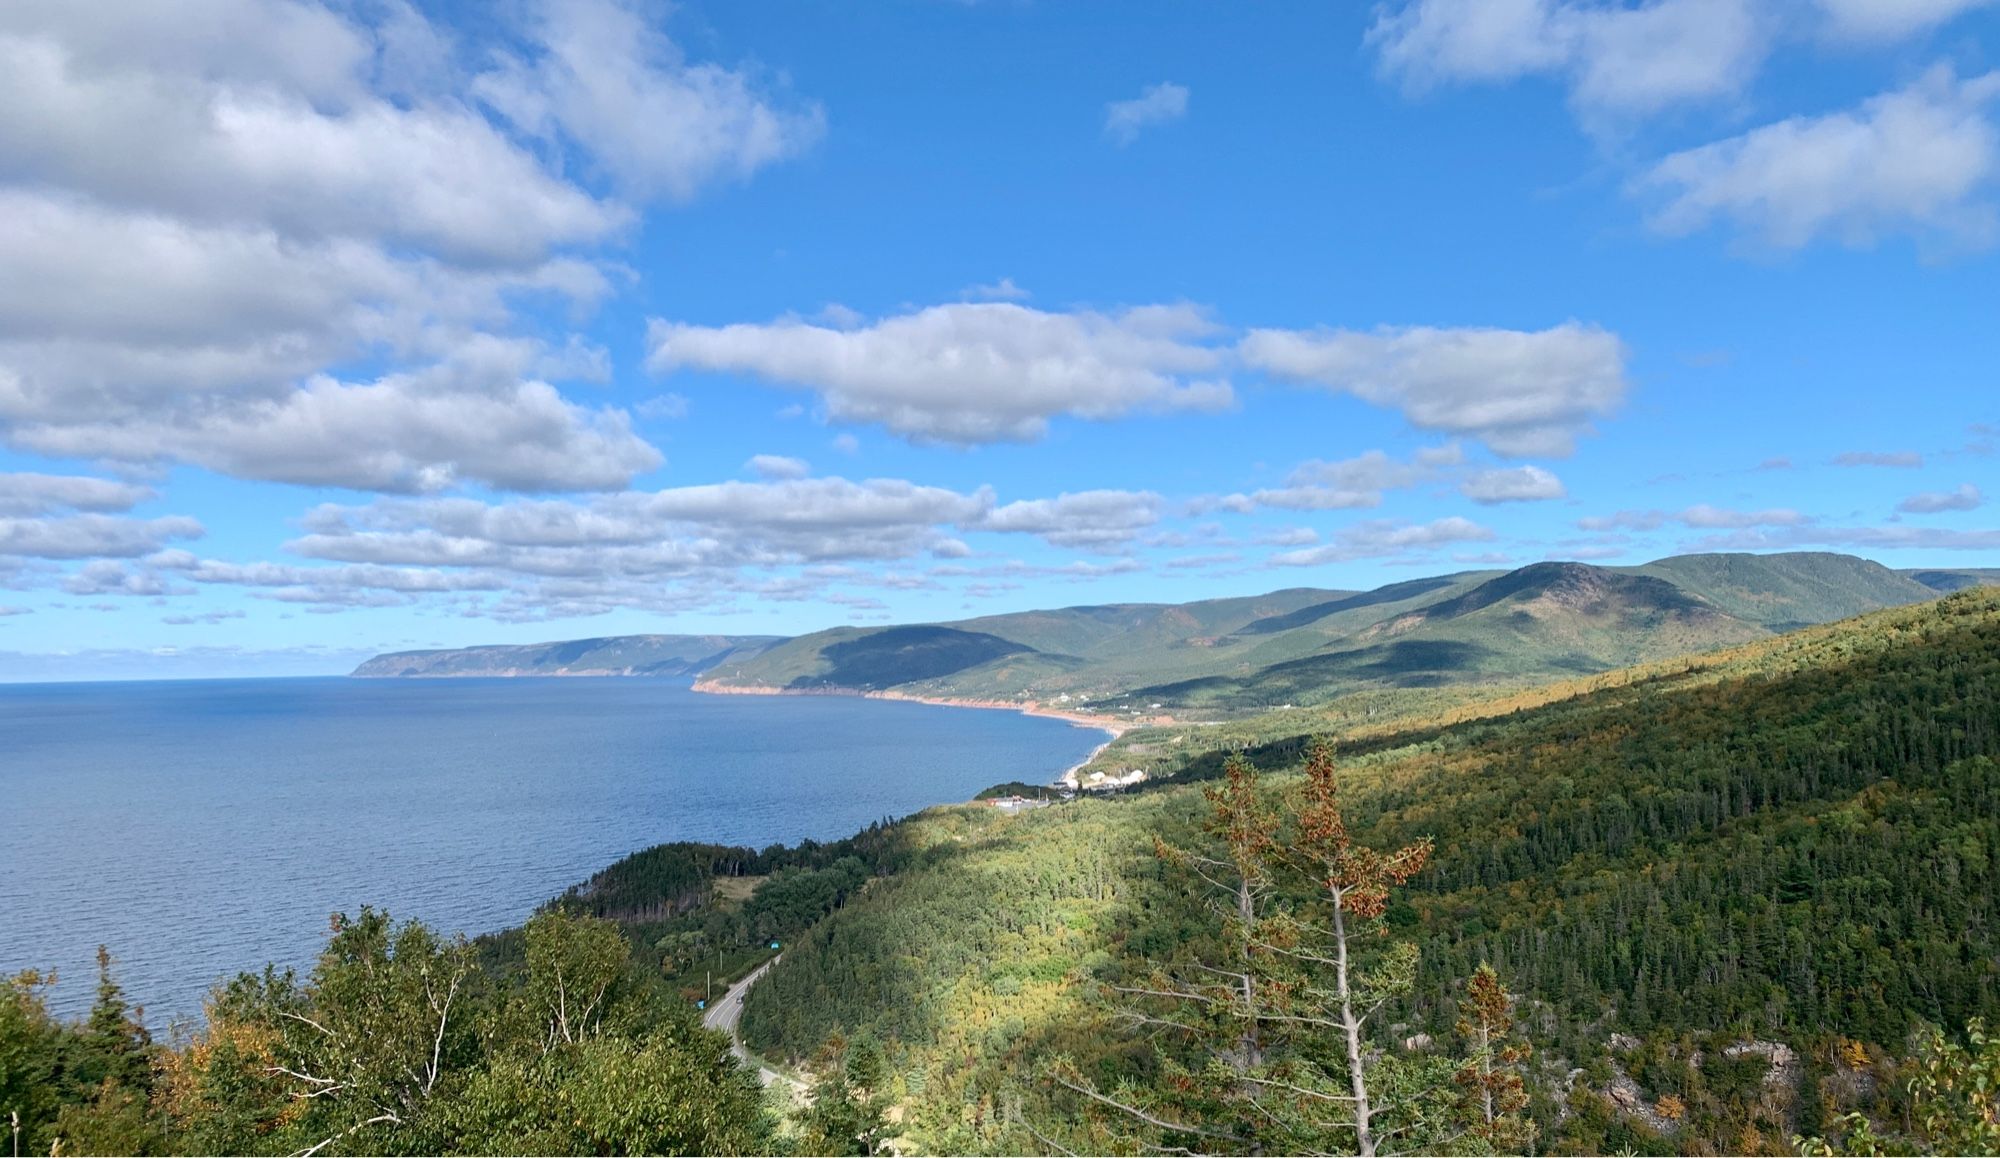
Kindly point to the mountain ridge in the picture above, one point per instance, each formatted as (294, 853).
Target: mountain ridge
(1240, 653)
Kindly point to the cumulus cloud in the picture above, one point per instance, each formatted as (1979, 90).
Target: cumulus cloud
(649, 535)
(970, 372)
(24, 493)
(92, 536)
(1089, 519)
(1921, 160)
(1519, 392)
(1618, 59)
(1381, 538)
(664, 551)
(211, 204)
(1156, 104)
(1521, 484)
(105, 577)
(1318, 485)
(1965, 498)
(605, 79)
(777, 466)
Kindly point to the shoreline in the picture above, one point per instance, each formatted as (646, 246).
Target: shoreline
(1110, 725)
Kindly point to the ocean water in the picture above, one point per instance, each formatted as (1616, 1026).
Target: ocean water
(199, 828)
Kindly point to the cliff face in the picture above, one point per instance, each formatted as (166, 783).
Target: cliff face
(623, 655)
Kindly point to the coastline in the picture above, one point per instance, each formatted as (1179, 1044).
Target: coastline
(1110, 725)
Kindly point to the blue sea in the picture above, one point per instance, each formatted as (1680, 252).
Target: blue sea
(200, 828)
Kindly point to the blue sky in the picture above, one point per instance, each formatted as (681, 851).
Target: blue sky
(334, 328)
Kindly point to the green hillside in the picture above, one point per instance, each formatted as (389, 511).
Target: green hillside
(623, 655)
(1958, 579)
(1781, 592)
(1298, 646)
(1796, 844)
(1306, 647)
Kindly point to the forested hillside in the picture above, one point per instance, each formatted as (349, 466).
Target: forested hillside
(1225, 658)
(1304, 647)
(1797, 849)
(621, 655)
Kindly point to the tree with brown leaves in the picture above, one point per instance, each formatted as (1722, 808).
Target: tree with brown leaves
(1491, 1076)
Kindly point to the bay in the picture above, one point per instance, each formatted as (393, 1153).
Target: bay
(199, 828)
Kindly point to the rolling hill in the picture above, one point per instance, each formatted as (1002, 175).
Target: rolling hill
(621, 655)
(1302, 645)
(1294, 646)
(1789, 843)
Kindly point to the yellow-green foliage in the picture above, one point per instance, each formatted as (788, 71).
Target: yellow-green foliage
(1792, 839)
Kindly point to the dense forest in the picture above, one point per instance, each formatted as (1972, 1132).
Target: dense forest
(1739, 903)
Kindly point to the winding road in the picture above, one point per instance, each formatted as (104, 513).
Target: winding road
(724, 1015)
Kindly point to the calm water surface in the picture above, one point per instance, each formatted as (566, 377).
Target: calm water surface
(203, 827)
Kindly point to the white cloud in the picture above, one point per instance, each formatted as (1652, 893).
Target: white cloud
(660, 126)
(1965, 498)
(1317, 485)
(1098, 520)
(664, 551)
(1380, 538)
(1921, 159)
(1519, 392)
(212, 203)
(777, 466)
(26, 493)
(1156, 104)
(302, 146)
(970, 372)
(1618, 59)
(105, 577)
(1520, 484)
(92, 536)
(470, 419)
(1872, 21)
(641, 535)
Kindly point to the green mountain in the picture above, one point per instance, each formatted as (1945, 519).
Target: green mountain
(1724, 893)
(1298, 646)
(1957, 579)
(1304, 646)
(621, 655)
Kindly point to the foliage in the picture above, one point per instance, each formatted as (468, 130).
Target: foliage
(1953, 1102)
(1492, 1074)
(399, 1043)
(846, 1111)
(80, 1087)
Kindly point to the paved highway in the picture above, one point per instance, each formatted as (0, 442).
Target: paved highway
(724, 1014)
